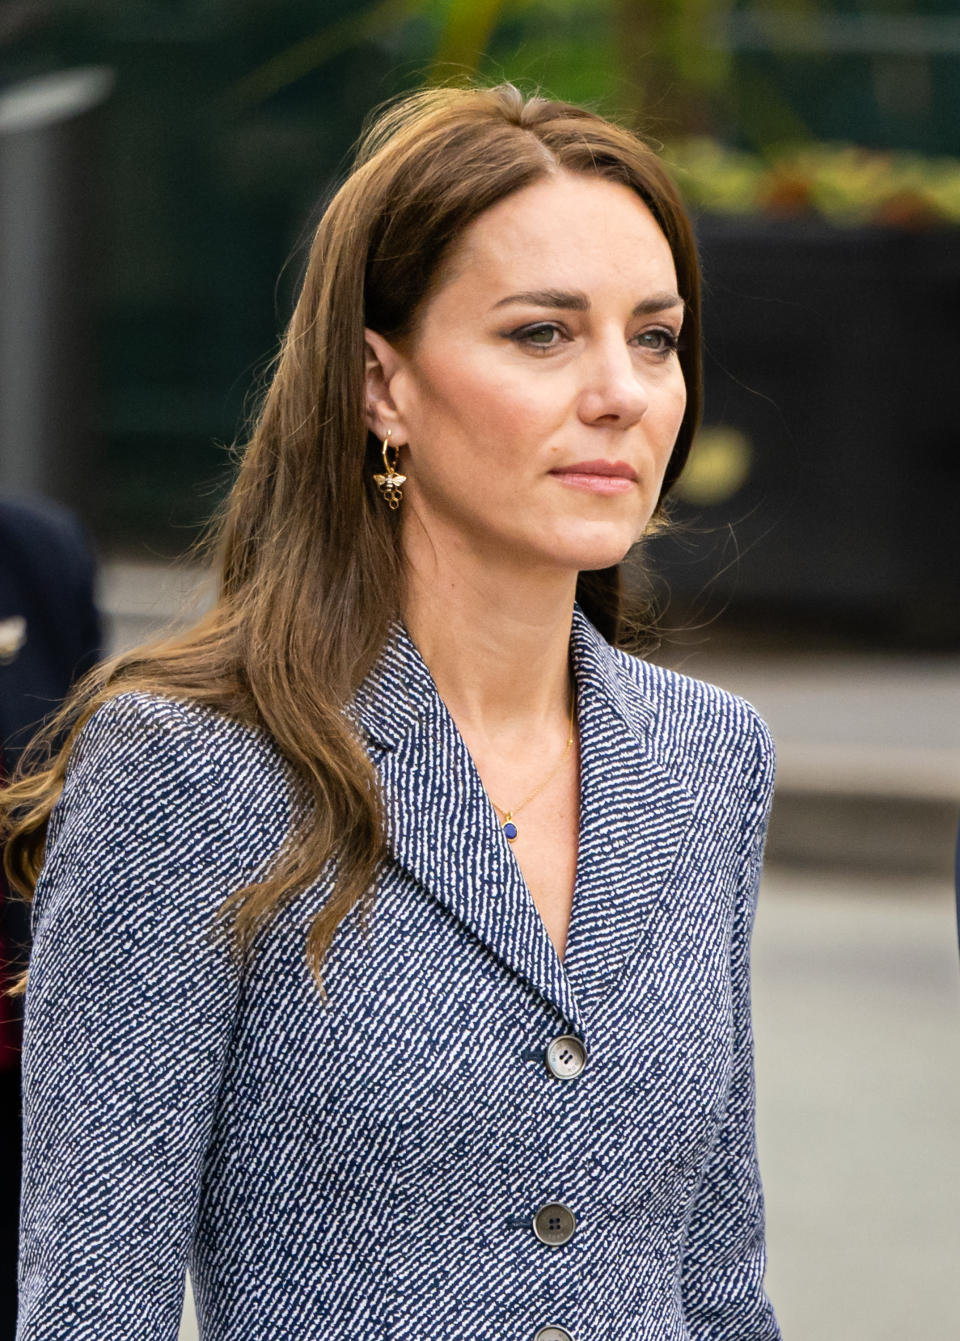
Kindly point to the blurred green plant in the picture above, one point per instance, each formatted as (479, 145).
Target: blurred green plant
(291, 63)
(845, 184)
(465, 35)
(655, 57)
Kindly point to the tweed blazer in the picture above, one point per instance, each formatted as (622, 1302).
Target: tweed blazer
(373, 1167)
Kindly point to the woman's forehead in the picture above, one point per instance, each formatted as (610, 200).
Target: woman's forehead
(561, 233)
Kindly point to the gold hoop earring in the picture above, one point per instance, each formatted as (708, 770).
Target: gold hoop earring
(390, 484)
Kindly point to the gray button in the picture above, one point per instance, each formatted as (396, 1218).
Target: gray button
(553, 1334)
(566, 1057)
(554, 1223)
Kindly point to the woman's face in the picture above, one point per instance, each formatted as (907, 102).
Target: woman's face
(539, 399)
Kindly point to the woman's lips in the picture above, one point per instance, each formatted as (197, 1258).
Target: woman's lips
(598, 477)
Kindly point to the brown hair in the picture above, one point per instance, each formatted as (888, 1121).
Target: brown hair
(310, 570)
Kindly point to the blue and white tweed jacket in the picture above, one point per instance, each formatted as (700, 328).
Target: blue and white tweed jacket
(372, 1168)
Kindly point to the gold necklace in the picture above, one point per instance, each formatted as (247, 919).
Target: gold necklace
(507, 824)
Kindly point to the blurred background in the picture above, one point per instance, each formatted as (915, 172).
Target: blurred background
(161, 167)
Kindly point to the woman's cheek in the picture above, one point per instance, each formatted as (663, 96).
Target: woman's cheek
(673, 411)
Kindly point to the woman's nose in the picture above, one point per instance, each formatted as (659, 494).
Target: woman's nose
(613, 389)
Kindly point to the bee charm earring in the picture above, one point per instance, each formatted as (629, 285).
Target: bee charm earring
(390, 484)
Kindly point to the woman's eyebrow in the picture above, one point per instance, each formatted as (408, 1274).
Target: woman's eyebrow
(576, 301)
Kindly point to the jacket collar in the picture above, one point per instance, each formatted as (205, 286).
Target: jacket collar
(444, 831)
(400, 689)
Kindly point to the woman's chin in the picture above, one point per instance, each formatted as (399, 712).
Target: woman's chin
(596, 552)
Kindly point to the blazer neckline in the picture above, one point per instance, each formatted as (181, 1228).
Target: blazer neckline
(399, 688)
(443, 830)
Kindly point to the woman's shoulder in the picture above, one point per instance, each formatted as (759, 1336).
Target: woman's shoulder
(694, 719)
(148, 716)
(180, 767)
(180, 735)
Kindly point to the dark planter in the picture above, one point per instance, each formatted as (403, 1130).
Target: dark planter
(825, 486)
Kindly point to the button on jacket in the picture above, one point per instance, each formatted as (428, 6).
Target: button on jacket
(380, 1166)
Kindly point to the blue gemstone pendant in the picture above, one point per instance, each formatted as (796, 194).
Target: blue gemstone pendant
(510, 829)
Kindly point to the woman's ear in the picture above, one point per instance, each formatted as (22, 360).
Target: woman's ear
(382, 364)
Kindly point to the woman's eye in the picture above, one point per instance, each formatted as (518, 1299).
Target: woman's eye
(539, 337)
(659, 341)
(548, 335)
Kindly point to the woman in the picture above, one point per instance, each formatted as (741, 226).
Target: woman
(473, 1052)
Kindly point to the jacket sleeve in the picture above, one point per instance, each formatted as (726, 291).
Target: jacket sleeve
(129, 1010)
(724, 1254)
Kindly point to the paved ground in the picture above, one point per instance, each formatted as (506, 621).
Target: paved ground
(857, 1019)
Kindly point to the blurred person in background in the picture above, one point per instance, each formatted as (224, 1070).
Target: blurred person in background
(49, 635)
(472, 1050)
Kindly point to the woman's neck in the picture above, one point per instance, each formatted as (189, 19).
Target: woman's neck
(495, 642)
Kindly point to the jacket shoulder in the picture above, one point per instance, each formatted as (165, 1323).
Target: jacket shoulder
(189, 735)
(136, 712)
(698, 725)
(200, 781)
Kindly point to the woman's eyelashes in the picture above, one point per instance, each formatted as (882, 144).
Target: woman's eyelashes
(530, 335)
(665, 340)
(658, 340)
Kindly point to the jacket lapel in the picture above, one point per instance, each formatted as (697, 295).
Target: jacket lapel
(444, 831)
(633, 816)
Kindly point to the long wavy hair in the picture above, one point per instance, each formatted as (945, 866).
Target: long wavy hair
(310, 571)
